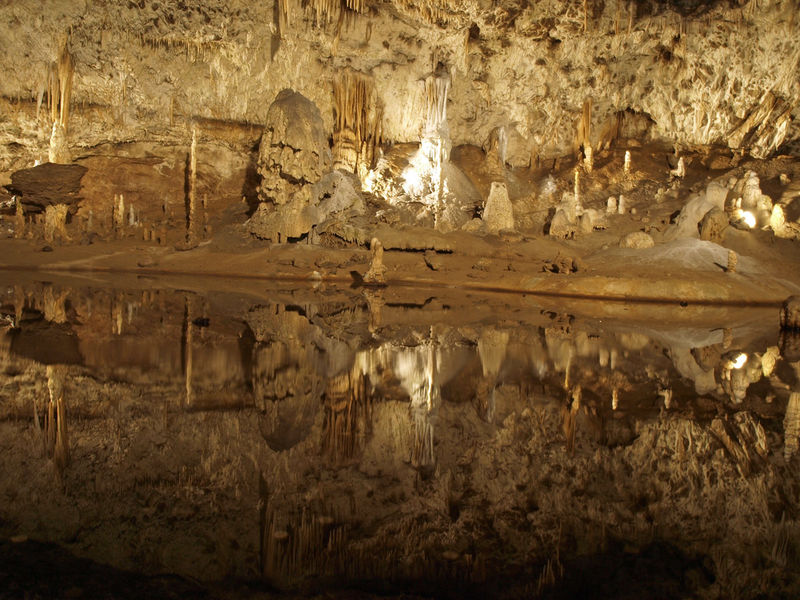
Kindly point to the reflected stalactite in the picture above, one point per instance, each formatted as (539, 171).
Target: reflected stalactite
(316, 545)
(348, 416)
(424, 407)
(117, 314)
(54, 304)
(52, 427)
(492, 348)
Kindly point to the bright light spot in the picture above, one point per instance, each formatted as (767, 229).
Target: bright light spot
(370, 181)
(746, 217)
(739, 361)
(412, 182)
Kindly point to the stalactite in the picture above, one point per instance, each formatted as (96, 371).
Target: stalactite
(59, 93)
(584, 132)
(191, 202)
(357, 120)
(66, 69)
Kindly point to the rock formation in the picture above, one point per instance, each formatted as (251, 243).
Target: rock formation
(790, 313)
(293, 156)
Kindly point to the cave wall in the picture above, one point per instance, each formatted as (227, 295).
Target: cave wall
(147, 69)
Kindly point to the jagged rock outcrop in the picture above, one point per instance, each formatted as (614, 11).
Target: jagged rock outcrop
(47, 184)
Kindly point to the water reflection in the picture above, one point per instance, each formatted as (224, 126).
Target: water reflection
(382, 436)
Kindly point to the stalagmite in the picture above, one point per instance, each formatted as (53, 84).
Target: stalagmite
(55, 220)
(191, 217)
(584, 132)
(377, 270)
(611, 205)
(118, 214)
(733, 259)
(498, 214)
(19, 220)
(614, 399)
(680, 169)
(626, 167)
(588, 159)
(666, 394)
(621, 205)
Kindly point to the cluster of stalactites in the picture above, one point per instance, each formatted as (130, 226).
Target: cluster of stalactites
(432, 11)
(59, 86)
(326, 11)
(357, 121)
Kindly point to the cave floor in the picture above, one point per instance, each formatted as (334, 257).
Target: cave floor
(681, 271)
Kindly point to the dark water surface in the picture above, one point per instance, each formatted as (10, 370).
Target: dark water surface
(391, 440)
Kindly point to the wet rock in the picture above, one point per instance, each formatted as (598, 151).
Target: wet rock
(713, 225)
(637, 240)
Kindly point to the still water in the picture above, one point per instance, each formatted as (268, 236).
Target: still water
(399, 439)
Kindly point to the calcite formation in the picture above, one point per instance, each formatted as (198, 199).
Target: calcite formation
(293, 156)
(498, 214)
(294, 152)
